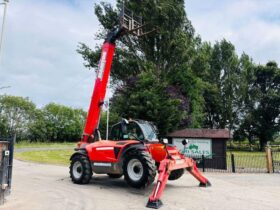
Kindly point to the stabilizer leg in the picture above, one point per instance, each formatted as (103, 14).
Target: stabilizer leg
(165, 167)
(154, 200)
(196, 173)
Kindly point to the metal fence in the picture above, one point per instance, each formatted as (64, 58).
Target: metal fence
(233, 163)
(275, 153)
(255, 163)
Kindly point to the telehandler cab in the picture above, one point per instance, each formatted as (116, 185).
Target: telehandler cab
(134, 150)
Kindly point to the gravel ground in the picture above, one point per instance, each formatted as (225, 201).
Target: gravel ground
(48, 187)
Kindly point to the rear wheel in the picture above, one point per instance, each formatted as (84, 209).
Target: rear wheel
(115, 176)
(80, 170)
(139, 169)
(176, 174)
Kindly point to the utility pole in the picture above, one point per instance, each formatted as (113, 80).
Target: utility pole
(5, 3)
(107, 124)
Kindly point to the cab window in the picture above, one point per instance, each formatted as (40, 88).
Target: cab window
(116, 132)
(134, 131)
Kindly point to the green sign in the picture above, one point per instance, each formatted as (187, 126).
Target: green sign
(195, 147)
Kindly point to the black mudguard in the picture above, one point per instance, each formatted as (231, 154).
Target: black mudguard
(79, 151)
(131, 147)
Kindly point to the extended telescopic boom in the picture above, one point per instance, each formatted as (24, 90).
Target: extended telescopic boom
(101, 81)
(129, 23)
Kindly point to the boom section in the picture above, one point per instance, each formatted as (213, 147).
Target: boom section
(99, 90)
(128, 24)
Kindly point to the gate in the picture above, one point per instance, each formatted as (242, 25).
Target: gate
(260, 162)
(275, 159)
(234, 163)
(6, 164)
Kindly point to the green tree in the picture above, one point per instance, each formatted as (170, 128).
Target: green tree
(3, 126)
(37, 128)
(148, 98)
(167, 55)
(246, 101)
(15, 114)
(260, 102)
(222, 88)
(58, 123)
(266, 92)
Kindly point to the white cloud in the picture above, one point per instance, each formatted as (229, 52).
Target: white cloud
(251, 25)
(39, 53)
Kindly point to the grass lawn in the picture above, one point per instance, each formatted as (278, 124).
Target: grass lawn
(245, 153)
(59, 157)
(247, 159)
(27, 144)
(251, 159)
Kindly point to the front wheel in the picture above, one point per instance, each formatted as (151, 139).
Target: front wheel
(139, 169)
(80, 170)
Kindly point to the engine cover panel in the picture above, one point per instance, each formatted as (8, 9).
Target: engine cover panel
(106, 150)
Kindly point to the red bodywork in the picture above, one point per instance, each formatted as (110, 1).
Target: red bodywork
(103, 150)
(175, 161)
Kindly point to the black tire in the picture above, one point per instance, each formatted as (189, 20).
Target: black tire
(176, 174)
(143, 160)
(115, 176)
(80, 170)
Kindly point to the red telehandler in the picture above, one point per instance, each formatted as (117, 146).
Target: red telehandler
(134, 150)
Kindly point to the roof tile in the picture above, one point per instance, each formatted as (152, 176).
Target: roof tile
(201, 133)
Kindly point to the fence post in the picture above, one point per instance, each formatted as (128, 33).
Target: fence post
(203, 163)
(4, 160)
(232, 163)
(272, 161)
(268, 160)
(11, 157)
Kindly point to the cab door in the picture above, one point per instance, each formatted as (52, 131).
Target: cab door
(102, 151)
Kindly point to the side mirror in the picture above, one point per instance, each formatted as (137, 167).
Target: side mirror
(185, 142)
(165, 141)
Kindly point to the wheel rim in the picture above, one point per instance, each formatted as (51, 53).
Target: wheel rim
(135, 169)
(77, 170)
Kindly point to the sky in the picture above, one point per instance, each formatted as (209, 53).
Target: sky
(39, 58)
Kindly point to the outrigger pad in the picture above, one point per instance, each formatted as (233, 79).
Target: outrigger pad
(207, 184)
(154, 204)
